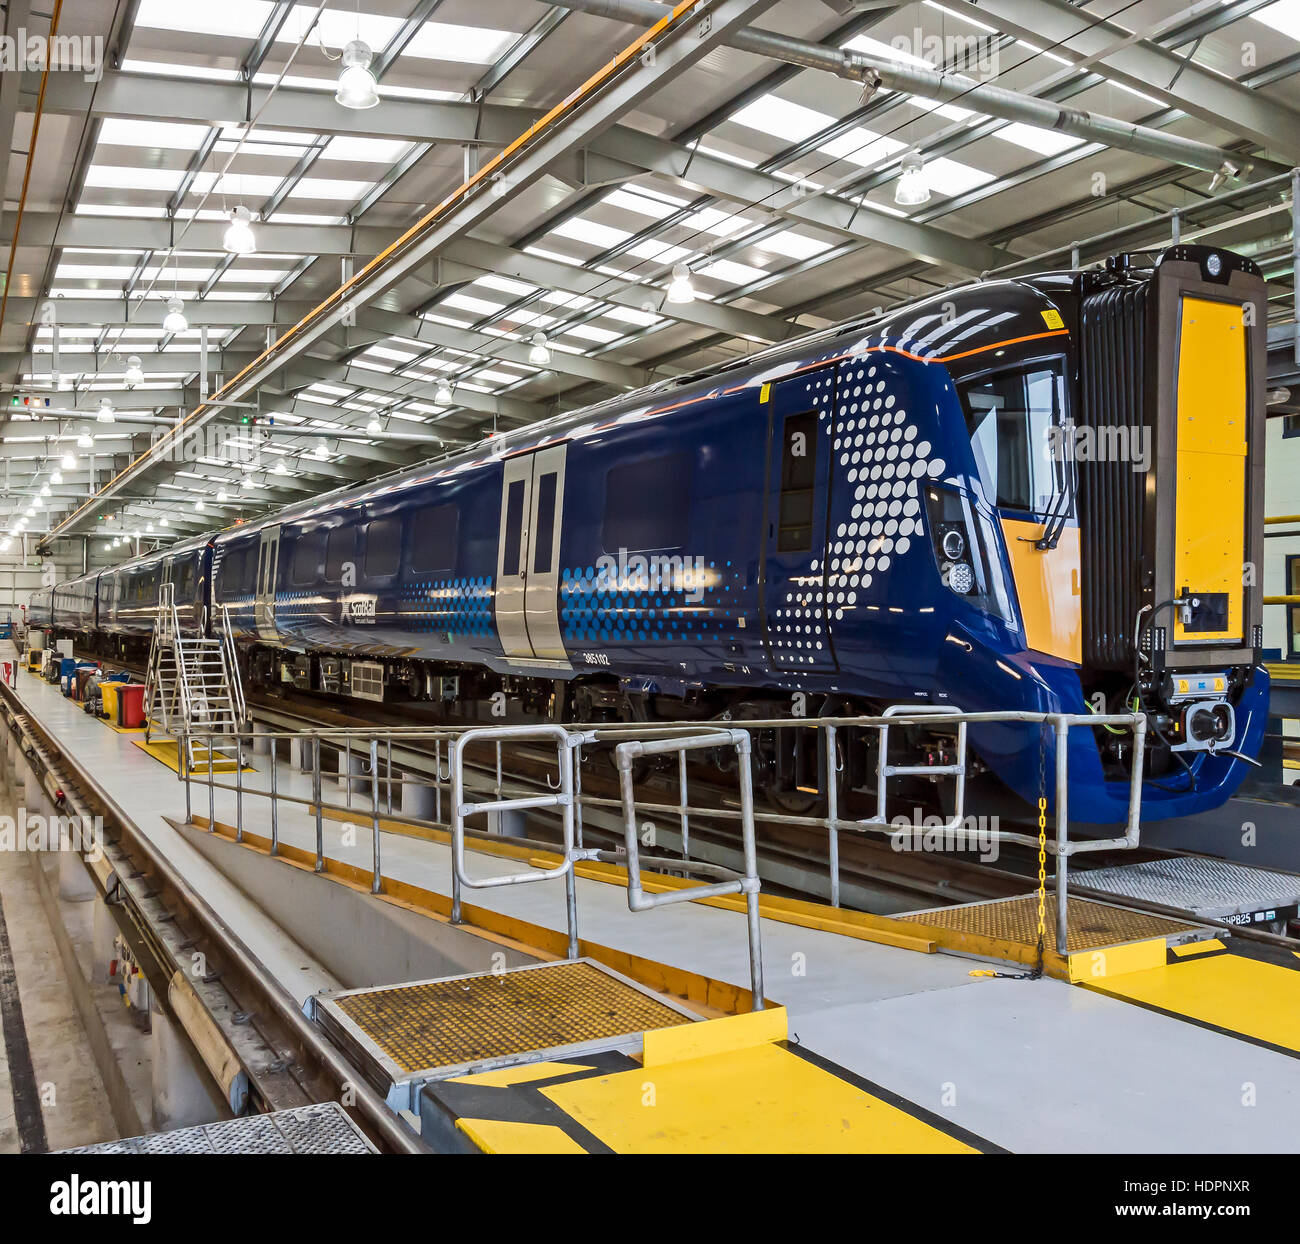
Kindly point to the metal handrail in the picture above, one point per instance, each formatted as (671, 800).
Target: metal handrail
(565, 741)
(632, 741)
(233, 676)
(747, 883)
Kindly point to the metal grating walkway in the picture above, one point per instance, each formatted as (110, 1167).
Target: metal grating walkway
(322, 1128)
(428, 1025)
(1015, 920)
(1209, 888)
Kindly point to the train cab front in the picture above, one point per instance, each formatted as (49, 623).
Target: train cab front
(1172, 597)
(1126, 474)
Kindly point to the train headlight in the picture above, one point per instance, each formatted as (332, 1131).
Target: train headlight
(961, 578)
(965, 543)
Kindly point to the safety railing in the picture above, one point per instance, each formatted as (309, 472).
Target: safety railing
(565, 742)
(449, 776)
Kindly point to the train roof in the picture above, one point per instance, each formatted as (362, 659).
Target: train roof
(926, 328)
(937, 327)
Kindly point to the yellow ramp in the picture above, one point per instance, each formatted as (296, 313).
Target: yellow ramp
(1243, 995)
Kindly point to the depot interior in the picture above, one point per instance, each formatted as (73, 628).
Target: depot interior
(335, 241)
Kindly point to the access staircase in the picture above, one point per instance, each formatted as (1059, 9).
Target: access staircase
(193, 691)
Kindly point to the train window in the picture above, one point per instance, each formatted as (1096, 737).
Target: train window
(648, 504)
(184, 579)
(514, 527)
(308, 552)
(798, 482)
(232, 571)
(383, 547)
(433, 539)
(544, 536)
(340, 554)
(1010, 416)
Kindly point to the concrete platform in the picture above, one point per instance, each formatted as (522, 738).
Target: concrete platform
(1034, 1066)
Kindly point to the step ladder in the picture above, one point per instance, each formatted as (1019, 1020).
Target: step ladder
(193, 689)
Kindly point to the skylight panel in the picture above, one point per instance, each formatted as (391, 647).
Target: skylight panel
(337, 27)
(1284, 17)
(517, 289)
(657, 209)
(720, 224)
(1044, 142)
(116, 209)
(387, 352)
(630, 315)
(235, 185)
(465, 302)
(792, 244)
(473, 45)
(575, 302)
(952, 177)
(769, 114)
(731, 272)
(862, 147)
(125, 132)
(330, 188)
(365, 150)
(241, 19)
(726, 155)
(582, 230)
(660, 251)
(589, 332)
(115, 177)
(496, 377)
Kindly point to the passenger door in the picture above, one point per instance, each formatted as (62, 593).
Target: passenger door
(528, 556)
(264, 593)
(794, 606)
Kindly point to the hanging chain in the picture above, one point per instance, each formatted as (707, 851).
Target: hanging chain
(1037, 971)
(1042, 848)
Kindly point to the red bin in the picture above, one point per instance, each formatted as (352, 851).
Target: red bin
(130, 705)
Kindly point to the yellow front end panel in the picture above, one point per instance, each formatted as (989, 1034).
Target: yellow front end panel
(1212, 425)
(1047, 586)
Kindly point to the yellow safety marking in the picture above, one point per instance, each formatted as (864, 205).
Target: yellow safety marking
(714, 1036)
(504, 1077)
(758, 1100)
(1230, 992)
(1197, 948)
(1047, 585)
(1212, 423)
(804, 914)
(1053, 319)
(800, 912)
(764, 393)
(122, 729)
(1107, 961)
(705, 994)
(503, 1136)
(168, 752)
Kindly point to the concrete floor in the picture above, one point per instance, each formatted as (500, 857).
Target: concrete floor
(60, 1100)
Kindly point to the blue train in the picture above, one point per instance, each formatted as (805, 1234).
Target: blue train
(1041, 493)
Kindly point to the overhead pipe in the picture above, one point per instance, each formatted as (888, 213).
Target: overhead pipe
(995, 101)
